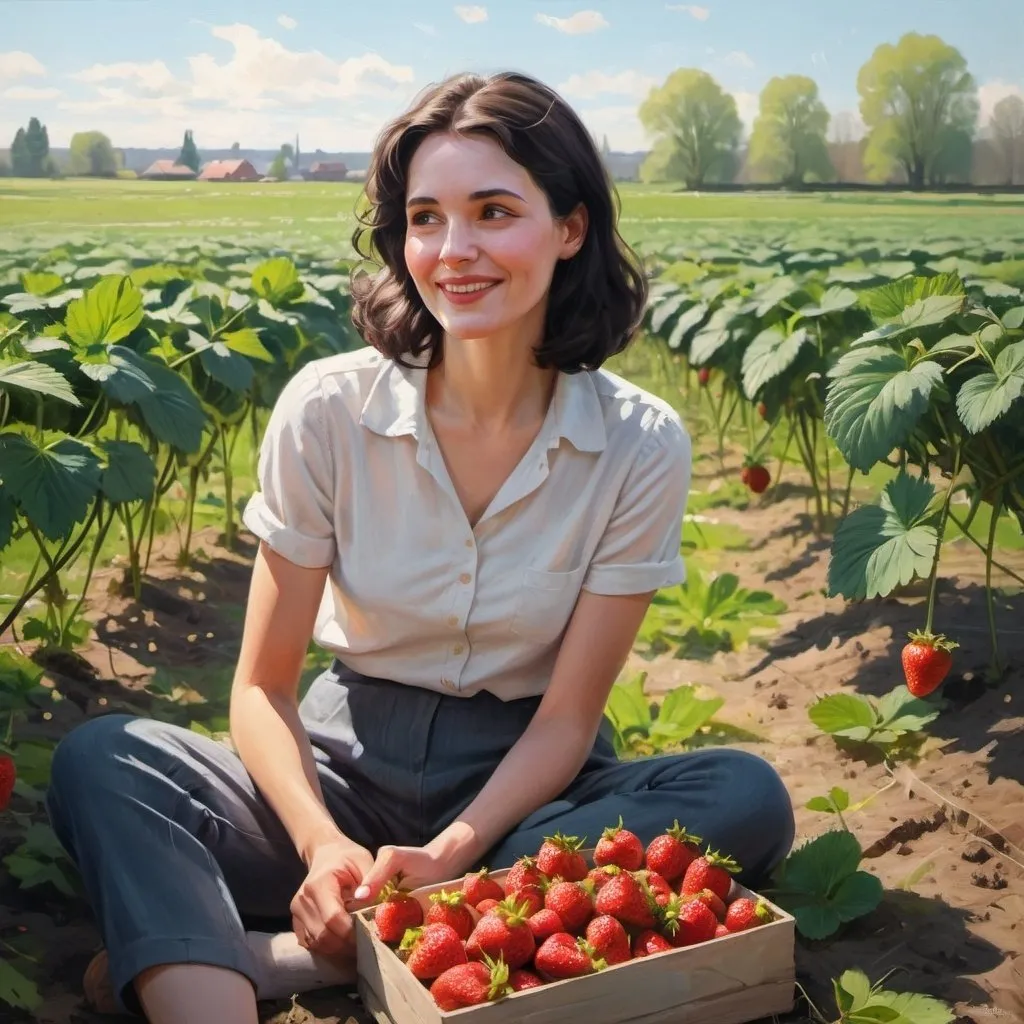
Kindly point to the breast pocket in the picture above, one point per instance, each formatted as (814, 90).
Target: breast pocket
(544, 604)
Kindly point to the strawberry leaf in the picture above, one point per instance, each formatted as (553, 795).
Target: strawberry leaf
(844, 714)
(900, 712)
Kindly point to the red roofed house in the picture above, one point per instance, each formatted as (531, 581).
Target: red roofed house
(326, 170)
(168, 170)
(229, 170)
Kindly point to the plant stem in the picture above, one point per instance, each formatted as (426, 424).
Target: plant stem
(229, 512)
(964, 529)
(101, 536)
(848, 492)
(943, 516)
(996, 668)
(133, 552)
(807, 452)
(785, 453)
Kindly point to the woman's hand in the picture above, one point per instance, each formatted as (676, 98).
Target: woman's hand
(320, 919)
(417, 865)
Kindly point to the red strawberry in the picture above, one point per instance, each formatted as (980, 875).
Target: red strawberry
(429, 951)
(8, 776)
(649, 942)
(562, 956)
(745, 913)
(471, 984)
(619, 846)
(503, 932)
(572, 902)
(721, 931)
(520, 980)
(657, 884)
(395, 913)
(712, 871)
(480, 886)
(523, 873)
(672, 853)
(560, 855)
(690, 922)
(609, 940)
(544, 923)
(450, 908)
(713, 902)
(703, 376)
(756, 477)
(486, 905)
(598, 876)
(926, 661)
(532, 896)
(762, 410)
(626, 898)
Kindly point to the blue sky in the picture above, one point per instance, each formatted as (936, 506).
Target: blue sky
(258, 71)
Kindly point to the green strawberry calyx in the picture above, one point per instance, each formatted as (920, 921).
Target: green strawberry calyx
(514, 912)
(499, 977)
(392, 891)
(570, 844)
(927, 638)
(449, 897)
(598, 963)
(613, 830)
(410, 938)
(719, 860)
(678, 832)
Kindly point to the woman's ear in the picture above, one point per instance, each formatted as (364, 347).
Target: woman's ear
(574, 228)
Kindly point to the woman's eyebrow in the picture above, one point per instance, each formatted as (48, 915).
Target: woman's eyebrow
(486, 193)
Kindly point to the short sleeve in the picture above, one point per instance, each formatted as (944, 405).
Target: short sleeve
(640, 550)
(293, 508)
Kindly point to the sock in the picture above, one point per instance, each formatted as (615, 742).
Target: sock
(286, 968)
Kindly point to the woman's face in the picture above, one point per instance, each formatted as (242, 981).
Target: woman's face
(481, 242)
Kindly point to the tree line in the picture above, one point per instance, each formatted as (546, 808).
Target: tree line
(918, 102)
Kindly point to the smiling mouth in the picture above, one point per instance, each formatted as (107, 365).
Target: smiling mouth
(467, 289)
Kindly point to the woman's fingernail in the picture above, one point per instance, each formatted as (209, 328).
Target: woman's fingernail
(362, 892)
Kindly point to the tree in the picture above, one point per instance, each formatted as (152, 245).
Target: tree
(788, 140)
(92, 154)
(918, 100)
(236, 147)
(189, 155)
(695, 126)
(30, 151)
(1007, 124)
(279, 168)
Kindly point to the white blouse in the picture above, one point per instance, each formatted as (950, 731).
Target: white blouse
(351, 477)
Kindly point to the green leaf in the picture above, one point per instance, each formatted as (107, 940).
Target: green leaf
(875, 401)
(843, 714)
(707, 341)
(8, 517)
(17, 990)
(107, 312)
(820, 803)
(822, 863)
(839, 797)
(130, 474)
(664, 309)
(54, 485)
(684, 713)
(983, 399)
(890, 301)
(41, 284)
(37, 377)
(777, 290)
(173, 412)
(875, 1015)
(277, 281)
(232, 370)
(857, 986)
(627, 707)
(122, 375)
(856, 896)
(246, 342)
(815, 919)
(877, 548)
(769, 355)
(685, 322)
(1013, 319)
(835, 300)
(914, 1007)
(899, 711)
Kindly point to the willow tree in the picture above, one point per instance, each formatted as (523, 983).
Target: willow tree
(1007, 125)
(695, 127)
(788, 141)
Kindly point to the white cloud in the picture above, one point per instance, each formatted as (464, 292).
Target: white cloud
(591, 84)
(29, 92)
(427, 30)
(846, 126)
(747, 106)
(620, 124)
(285, 21)
(700, 13)
(576, 24)
(471, 14)
(990, 94)
(154, 77)
(19, 64)
(739, 59)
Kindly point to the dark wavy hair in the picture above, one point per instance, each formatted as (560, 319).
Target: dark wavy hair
(597, 297)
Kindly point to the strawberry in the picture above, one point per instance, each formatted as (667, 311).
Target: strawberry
(486, 905)
(628, 899)
(429, 951)
(544, 923)
(521, 979)
(471, 984)
(745, 913)
(649, 942)
(926, 661)
(619, 846)
(671, 853)
(712, 871)
(562, 956)
(721, 931)
(598, 876)
(560, 855)
(756, 477)
(532, 896)
(396, 911)
(480, 886)
(450, 908)
(572, 902)
(609, 940)
(8, 775)
(657, 884)
(523, 873)
(503, 932)
(703, 376)
(713, 901)
(762, 410)
(689, 922)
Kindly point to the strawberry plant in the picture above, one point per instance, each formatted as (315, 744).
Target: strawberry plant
(860, 1002)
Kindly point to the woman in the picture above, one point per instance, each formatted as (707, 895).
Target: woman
(473, 517)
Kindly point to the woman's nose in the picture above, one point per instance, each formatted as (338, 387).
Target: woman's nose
(459, 244)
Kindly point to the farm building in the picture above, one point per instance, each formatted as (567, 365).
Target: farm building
(168, 170)
(229, 170)
(326, 170)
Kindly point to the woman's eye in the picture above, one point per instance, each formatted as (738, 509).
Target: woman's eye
(497, 210)
(421, 218)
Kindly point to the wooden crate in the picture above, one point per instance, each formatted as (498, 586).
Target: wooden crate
(731, 980)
